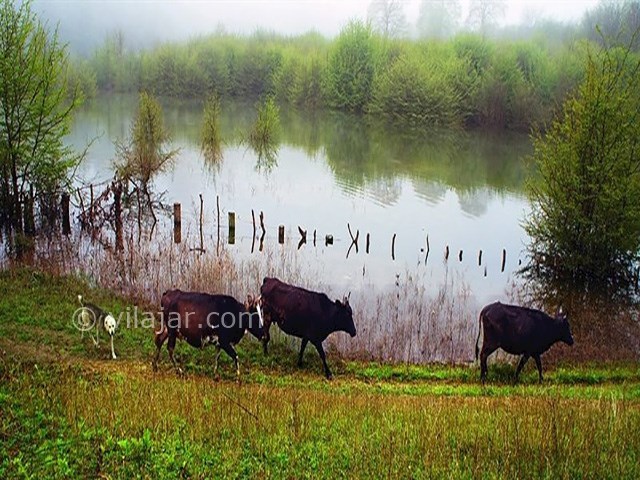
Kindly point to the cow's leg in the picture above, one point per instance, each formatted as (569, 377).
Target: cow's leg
(215, 364)
(227, 347)
(302, 347)
(327, 372)
(170, 346)
(265, 335)
(161, 336)
(521, 364)
(487, 349)
(539, 365)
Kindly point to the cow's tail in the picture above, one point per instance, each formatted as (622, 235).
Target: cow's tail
(259, 309)
(479, 331)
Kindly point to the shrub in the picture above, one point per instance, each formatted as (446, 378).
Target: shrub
(585, 221)
(351, 70)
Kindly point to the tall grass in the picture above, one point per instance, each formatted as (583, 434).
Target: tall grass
(402, 323)
(73, 423)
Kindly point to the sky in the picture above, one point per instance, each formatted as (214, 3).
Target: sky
(84, 21)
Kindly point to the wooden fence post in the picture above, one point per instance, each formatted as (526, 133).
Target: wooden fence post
(177, 223)
(201, 221)
(393, 247)
(281, 234)
(232, 228)
(66, 223)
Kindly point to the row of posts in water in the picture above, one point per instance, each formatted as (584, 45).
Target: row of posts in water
(328, 239)
(177, 231)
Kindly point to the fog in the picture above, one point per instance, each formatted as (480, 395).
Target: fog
(85, 23)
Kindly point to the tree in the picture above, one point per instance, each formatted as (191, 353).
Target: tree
(351, 69)
(614, 22)
(585, 220)
(143, 156)
(387, 18)
(484, 14)
(438, 18)
(146, 153)
(36, 106)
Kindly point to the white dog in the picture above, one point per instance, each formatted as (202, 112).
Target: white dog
(93, 316)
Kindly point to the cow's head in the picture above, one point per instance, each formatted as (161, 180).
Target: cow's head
(562, 319)
(344, 317)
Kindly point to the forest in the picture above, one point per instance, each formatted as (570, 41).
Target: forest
(505, 78)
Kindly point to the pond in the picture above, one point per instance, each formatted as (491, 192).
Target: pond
(462, 190)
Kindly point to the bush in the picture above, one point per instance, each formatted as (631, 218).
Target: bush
(585, 221)
(418, 91)
(351, 69)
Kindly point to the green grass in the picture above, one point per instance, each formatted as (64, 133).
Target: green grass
(70, 412)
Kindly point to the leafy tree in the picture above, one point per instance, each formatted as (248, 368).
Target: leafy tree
(585, 220)
(146, 153)
(36, 106)
(613, 21)
(387, 18)
(438, 18)
(351, 68)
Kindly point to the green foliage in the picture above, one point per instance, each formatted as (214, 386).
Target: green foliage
(36, 105)
(82, 78)
(145, 154)
(499, 83)
(585, 223)
(419, 91)
(266, 128)
(351, 68)
(613, 23)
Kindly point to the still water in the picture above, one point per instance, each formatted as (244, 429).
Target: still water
(463, 190)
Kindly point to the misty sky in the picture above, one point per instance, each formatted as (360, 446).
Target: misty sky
(85, 22)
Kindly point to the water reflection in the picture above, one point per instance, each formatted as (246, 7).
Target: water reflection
(358, 152)
(460, 188)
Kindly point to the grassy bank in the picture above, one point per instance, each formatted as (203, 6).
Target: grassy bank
(69, 412)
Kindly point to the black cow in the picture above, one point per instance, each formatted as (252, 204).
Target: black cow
(520, 331)
(308, 315)
(202, 319)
